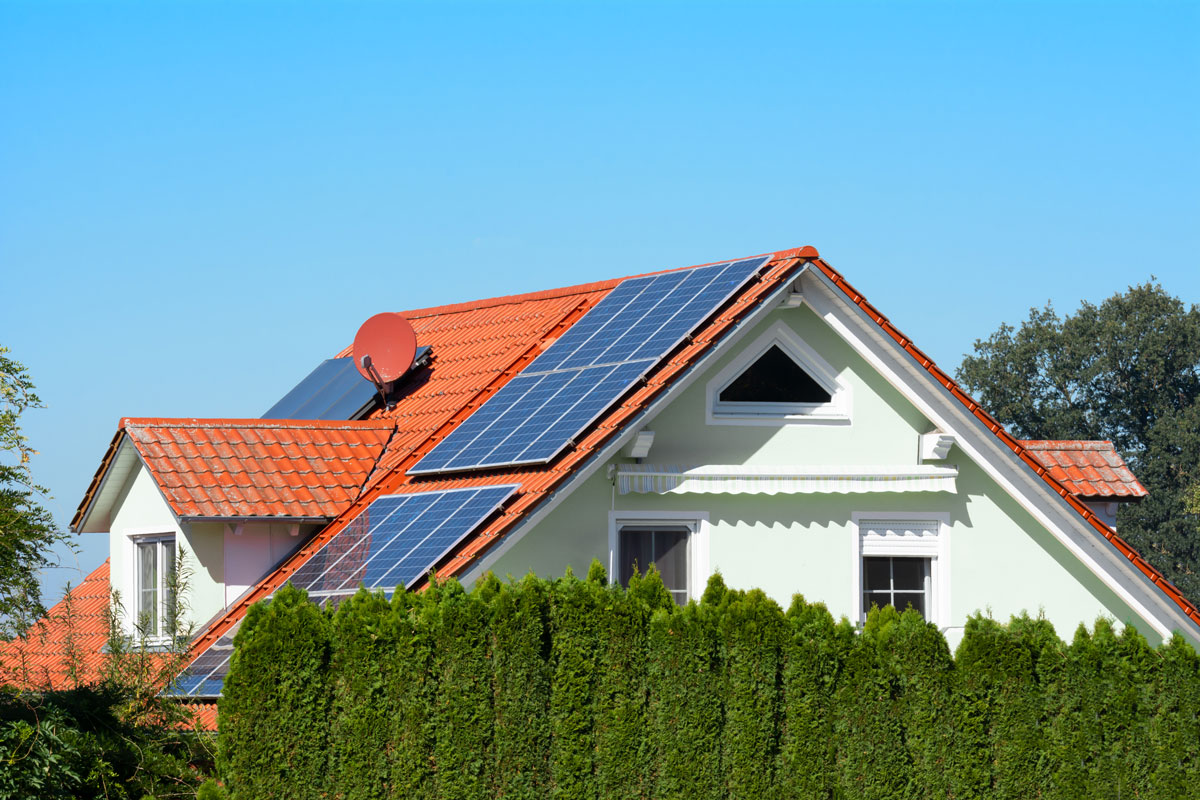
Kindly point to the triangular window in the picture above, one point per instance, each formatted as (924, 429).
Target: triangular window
(775, 378)
(778, 380)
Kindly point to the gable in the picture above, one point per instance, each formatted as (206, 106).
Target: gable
(995, 556)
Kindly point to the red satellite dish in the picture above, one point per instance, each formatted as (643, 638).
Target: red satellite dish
(384, 347)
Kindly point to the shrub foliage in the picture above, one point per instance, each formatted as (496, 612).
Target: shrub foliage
(576, 688)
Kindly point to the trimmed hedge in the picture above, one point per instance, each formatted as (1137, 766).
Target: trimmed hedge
(580, 689)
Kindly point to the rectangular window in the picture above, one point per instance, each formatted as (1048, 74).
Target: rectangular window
(896, 581)
(665, 546)
(155, 573)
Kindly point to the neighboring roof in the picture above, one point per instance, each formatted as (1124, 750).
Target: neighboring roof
(40, 659)
(226, 468)
(1090, 470)
(1008, 440)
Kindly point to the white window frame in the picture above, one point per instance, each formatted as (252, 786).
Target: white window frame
(695, 521)
(933, 544)
(133, 580)
(781, 335)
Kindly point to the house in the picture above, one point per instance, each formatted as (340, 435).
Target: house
(755, 417)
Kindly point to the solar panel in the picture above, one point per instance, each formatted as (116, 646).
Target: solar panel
(398, 539)
(393, 543)
(205, 676)
(535, 415)
(334, 390)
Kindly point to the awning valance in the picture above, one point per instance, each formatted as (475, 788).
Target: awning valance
(739, 479)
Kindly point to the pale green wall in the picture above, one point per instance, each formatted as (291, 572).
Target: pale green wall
(1001, 559)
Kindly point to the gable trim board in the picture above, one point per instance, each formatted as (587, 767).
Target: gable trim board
(543, 487)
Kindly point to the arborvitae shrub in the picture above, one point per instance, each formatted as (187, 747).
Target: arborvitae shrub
(752, 633)
(998, 737)
(521, 688)
(464, 716)
(411, 694)
(1175, 727)
(622, 755)
(575, 609)
(685, 697)
(273, 741)
(872, 760)
(363, 653)
(813, 650)
(1097, 724)
(920, 660)
(585, 690)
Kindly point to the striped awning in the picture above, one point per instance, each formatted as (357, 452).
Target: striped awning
(739, 479)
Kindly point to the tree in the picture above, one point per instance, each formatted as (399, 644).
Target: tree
(1127, 370)
(27, 530)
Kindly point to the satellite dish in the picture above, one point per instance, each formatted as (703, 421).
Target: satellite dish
(384, 348)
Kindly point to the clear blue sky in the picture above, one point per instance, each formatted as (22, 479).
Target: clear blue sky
(200, 201)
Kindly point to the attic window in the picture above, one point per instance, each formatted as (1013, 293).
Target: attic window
(777, 379)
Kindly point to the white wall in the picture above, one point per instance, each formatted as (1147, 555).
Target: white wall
(142, 510)
(222, 564)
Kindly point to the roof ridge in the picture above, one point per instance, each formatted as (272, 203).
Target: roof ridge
(379, 423)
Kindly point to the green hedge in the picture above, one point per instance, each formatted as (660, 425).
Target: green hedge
(581, 689)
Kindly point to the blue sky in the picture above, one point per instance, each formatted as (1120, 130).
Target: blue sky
(201, 201)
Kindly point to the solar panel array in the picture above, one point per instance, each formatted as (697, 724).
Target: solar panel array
(334, 390)
(393, 543)
(538, 413)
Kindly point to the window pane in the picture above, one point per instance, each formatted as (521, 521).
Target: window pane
(168, 570)
(774, 378)
(670, 556)
(877, 573)
(872, 599)
(147, 608)
(914, 599)
(908, 573)
(636, 552)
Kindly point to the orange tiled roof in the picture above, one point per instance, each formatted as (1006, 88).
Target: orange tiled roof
(40, 659)
(1092, 470)
(257, 468)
